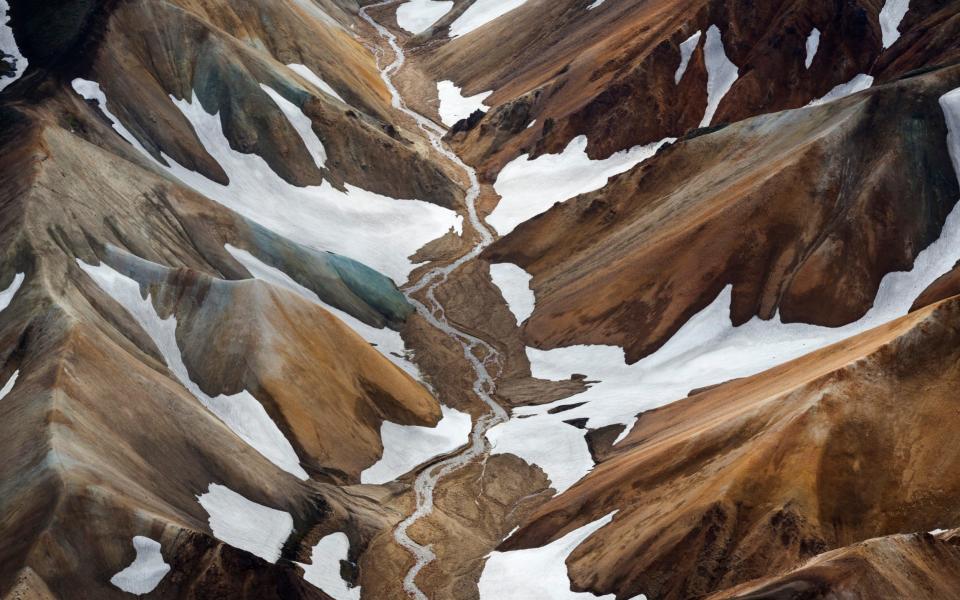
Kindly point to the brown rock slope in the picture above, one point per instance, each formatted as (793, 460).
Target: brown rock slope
(753, 477)
(100, 441)
(791, 208)
(918, 566)
(608, 73)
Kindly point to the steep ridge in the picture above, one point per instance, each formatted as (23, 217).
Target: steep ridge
(117, 431)
(757, 475)
(777, 205)
(614, 73)
(253, 345)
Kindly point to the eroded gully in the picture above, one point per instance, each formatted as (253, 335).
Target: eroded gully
(433, 312)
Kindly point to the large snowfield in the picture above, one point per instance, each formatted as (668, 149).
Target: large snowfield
(528, 187)
(245, 524)
(417, 16)
(375, 230)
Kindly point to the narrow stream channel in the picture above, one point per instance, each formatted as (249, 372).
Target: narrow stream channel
(483, 385)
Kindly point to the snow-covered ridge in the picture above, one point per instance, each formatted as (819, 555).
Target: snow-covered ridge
(244, 524)
(241, 412)
(706, 350)
(146, 571)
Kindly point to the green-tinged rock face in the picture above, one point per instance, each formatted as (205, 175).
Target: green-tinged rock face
(339, 281)
(378, 290)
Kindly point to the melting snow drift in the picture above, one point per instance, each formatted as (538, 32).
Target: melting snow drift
(529, 187)
(539, 573)
(514, 284)
(146, 571)
(686, 51)
(857, 84)
(406, 446)
(721, 73)
(244, 524)
(324, 570)
(454, 107)
(480, 13)
(813, 44)
(417, 16)
(891, 15)
(8, 48)
(317, 82)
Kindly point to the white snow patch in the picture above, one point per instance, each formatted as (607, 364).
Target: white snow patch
(514, 284)
(686, 51)
(595, 4)
(813, 44)
(454, 107)
(417, 16)
(532, 123)
(244, 524)
(539, 573)
(721, 73)
(937, 531)
(406, 446)
(387, 341)
(857, 84)
(480, 13)
(146, 571)
(891, 15)
(9, 49)
(530, 187)
(324, 570)
(241, 412)
(950, 105)
(302, 124)
(6, 296)
(314, 79)
(378, 231)
(8, 386)
(706, 350)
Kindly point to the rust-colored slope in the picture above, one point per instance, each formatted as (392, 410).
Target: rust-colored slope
(327, 388)
(753, 477)
(918, 566)
(608, 73)
(788, 207)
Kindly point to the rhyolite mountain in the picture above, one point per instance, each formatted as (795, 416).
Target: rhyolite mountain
(495, 299)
